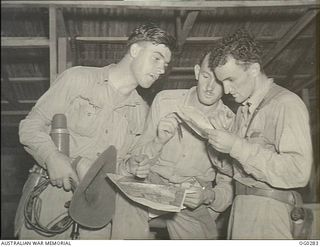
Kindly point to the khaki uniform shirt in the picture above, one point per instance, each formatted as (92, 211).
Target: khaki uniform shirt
(183, 159)
(274, 151)
(97, 116)
(277, 149)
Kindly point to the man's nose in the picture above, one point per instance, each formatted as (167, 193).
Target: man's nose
(161, 71)
(211, 85)
(226, 87)
(161, 68)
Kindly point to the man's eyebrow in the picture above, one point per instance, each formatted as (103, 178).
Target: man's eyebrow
(160, 54)
(228, 78)
(205, 72)
(157, 52)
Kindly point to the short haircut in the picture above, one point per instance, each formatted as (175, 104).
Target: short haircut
(203, 56)
(152, 33)
(240, 45)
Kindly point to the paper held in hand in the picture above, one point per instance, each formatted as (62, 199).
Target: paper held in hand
(195, 119)
(160, 197)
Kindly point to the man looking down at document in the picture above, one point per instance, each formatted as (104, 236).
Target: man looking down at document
(181, 160)
(269, 142)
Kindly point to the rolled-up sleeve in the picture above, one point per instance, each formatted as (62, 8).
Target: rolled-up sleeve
(289, 166)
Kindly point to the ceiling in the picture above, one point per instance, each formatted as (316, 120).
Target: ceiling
(40, 39)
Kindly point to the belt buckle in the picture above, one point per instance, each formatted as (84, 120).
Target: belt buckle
(291, 199)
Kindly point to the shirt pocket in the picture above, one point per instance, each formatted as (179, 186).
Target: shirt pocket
(83, 116)
(257, 136)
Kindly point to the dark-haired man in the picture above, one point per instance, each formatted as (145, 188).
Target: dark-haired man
(270, 142)
(182, 161)
(102, 109)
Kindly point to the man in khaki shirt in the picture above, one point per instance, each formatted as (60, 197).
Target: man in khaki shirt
(102, 109)
(182, 161)
(269, 142)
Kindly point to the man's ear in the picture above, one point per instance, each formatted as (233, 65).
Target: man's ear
(134, 50)
(255, 69)
(197, 71)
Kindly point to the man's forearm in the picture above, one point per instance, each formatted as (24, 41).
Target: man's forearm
(33, 136)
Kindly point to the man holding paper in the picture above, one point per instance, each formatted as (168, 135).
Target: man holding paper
(269, 143)
(181, 160)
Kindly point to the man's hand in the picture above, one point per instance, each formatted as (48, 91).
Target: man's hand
(167, 127)
(139, 165)
(222, 120)
(197, 196)
(60, 171)
(221, 140)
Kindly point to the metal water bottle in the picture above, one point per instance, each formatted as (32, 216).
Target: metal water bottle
(59, 133)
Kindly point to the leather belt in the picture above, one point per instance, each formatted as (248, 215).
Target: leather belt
(285, 196)
(39, 170)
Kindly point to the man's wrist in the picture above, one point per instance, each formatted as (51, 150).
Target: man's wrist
(51, 156)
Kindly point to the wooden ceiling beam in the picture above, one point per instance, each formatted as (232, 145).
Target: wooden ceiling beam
(298, 88)
(178, 24)
(53, 43)
(14, 113)
(27, 101)
(174, 70)
(61, 27)
(102, 39)
(304, 53)
(290, 35)
(63, 44)
(184, 5)
(189, 40)
(187, 26)
(24, 42)
(191, 70)
(188, 74)
(27, 79)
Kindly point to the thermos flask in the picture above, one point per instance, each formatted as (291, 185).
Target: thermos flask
(59, 133)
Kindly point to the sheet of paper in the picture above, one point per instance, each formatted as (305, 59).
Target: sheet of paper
(195, 119)
(156, 196)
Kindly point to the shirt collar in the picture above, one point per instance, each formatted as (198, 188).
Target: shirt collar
(254, 101)
(132, 99)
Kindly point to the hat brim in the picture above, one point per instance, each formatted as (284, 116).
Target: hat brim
(93, 201)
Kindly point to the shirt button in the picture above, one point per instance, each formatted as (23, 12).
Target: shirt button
(98, 154)
(106, 131)
(183, 155)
